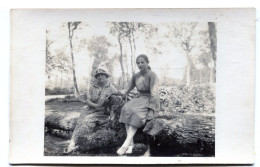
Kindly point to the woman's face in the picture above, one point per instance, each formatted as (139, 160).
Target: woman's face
(101, 77)
(141, 63)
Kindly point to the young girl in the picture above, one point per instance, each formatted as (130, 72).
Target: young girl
(135, 113)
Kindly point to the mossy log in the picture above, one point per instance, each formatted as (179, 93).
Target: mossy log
(183, 133)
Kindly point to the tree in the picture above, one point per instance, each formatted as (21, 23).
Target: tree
(150, 32)
(98, 49)
(213, 47)
(135, 30)
(56, 60)
(127, 33)
(181, 36)
(49, 58)
(119, 29)
(72, 26)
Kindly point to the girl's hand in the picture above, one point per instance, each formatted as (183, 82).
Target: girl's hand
(83, 98)
(87, 101)
(150, 114)
(123, 91)
(148, 118)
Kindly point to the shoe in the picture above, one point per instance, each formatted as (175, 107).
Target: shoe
(122, 150)
(67, 151)
(129, 150)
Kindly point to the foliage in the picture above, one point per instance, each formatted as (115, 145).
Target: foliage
(57, 60)
(179, 98)
(98, 49)
(98, 46)
(195, 41)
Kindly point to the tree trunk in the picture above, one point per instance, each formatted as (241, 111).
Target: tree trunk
(134, 49)
(76, 91)
(191, 134)
(121, 61)
(212, 78)
(167, 136)
(213, 47)
(61, 80)
(132, 55)
(200, 77)
(89, 71)
(188, 70)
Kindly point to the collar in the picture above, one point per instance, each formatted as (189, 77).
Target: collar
(106, 86)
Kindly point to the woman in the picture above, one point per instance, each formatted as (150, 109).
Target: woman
(135, 113)
(95, 110)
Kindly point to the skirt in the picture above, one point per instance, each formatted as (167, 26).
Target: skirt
(135, 111)
(87, 123)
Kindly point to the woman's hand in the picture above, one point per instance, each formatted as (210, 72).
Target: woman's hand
(83, 98)
(106, 101)
(150, 114)
(149, 118)
(123, 91)
(124, 94)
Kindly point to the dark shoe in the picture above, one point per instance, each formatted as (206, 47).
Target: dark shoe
(67, 151)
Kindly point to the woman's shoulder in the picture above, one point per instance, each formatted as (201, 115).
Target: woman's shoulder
(152, 73)
(136, 75)
(112, 87)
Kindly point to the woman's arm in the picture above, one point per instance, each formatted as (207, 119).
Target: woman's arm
(154, 85)
(130, 85)
(154, 104)
(103, 97)
(88, 101)
(94, 105)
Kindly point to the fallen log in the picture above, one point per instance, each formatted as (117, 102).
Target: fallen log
(185, 134)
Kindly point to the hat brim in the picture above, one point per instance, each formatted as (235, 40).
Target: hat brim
(102, 73)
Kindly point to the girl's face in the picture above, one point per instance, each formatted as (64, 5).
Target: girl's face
(141, 63)
(101, 77)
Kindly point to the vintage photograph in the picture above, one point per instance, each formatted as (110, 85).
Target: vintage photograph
(130, 89)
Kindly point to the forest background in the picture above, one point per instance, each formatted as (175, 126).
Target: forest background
(180, 53)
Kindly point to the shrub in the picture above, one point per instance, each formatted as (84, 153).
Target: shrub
(179, 98)
(58, 91)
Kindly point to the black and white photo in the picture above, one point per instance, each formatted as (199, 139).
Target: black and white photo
(132, 86)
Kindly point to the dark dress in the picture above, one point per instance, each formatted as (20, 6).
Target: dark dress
(135, 111)
(91, 117)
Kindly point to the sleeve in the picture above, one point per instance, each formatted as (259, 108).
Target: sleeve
(90, 92)
(154, 103)
(113, 89)
(106, 93)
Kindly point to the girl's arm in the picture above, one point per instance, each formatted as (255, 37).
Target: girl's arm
(130, 86)
(154, 104)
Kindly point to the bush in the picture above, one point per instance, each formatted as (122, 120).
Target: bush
(179, 98)
(58, 91)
